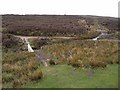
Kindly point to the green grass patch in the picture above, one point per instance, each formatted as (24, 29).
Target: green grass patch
(65, 76)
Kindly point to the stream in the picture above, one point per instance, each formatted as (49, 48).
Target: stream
(103, 34)
(28, 45)
(43, 56)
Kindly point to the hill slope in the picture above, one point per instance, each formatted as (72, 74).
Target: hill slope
(50, 25)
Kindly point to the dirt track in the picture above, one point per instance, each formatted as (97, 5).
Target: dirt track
(32, 37)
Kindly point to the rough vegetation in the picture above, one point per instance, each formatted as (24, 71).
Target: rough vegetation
(19, 68)
(56, 25)
(9, 42)
(37, 43)
(85, 53)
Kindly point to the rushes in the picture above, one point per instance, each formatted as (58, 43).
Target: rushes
(95, 63)
(36, 75)
(20, 68)
(85, 53)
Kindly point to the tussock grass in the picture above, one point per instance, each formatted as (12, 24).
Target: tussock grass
(85, 53)
(20, 68)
